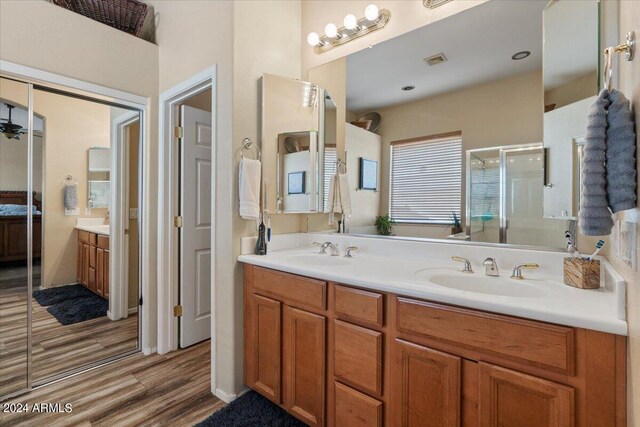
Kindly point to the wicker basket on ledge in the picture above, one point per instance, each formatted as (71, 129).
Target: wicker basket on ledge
(125, 15)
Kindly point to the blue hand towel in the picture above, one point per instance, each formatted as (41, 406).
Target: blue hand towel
(595, 216)
(621, 154)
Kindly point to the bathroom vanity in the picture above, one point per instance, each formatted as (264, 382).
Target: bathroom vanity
(93, 259)
(366, 342)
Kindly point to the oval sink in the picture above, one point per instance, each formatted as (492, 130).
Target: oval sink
(485, 285)
(318, 259)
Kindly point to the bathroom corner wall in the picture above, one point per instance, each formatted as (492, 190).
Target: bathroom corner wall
(629, 84)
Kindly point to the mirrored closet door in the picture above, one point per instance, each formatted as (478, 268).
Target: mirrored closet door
(69, 226)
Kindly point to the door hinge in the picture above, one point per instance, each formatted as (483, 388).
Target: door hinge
(177, 311)
(178, 132)
(140, 301)
(177, 221)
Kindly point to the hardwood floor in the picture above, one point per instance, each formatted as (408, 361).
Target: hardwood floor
(156, 390)
(56, 348)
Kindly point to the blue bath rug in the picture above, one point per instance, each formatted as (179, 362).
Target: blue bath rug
(79, 309)
(251, 410)
(51, 296)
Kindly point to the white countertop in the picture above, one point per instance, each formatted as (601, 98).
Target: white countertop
(601, 309)
(102, 229)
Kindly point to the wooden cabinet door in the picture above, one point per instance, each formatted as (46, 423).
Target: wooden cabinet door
(100, 271)
(79, 263)
(85, 264)
(303, 357)
(425, 386)
(514, 399)
(105, 283)
(263, 348)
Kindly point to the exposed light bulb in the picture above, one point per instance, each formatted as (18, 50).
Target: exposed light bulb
(371, 12)
(313, 39)
(350, 22)
(331, 30)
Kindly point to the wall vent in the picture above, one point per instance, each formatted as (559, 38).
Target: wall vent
(436, 59)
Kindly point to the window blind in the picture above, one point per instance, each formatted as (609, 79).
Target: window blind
(329, 170)
(426, 180)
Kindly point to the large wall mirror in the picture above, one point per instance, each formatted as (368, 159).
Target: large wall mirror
(473, 122)
(69, 243)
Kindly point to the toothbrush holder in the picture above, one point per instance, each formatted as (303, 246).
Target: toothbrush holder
(582, 273)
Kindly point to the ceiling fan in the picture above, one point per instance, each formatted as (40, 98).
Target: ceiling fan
(9, 129)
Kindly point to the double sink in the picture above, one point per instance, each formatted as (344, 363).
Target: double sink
(446, 277)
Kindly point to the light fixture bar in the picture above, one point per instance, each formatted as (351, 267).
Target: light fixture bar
(364, 27)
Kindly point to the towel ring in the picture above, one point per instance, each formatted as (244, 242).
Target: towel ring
(628, 48)
(69, 180)
(247, 143)
(340, 163)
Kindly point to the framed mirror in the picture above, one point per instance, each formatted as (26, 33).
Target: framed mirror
(298, 144)
(465, 149)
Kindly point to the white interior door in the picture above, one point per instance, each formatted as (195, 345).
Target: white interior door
(195, 236)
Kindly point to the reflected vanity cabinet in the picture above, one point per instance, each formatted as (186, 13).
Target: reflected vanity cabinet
(93, 262)
(336, 355)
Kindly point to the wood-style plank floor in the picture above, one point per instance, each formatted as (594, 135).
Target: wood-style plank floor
(157, 390)
(56, 348)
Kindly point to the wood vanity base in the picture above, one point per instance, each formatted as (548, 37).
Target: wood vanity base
(336, 355)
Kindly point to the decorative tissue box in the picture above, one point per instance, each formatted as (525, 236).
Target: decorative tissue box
(582, 273)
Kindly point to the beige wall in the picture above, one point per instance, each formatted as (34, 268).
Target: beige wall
(200, 34)
(14, 163)
(504, 112)
(629, 84)
(68, 44)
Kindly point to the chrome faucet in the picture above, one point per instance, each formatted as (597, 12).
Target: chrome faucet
(490, 267)
(347, 252)
(517, 270)
(333, 247)
(467, 264)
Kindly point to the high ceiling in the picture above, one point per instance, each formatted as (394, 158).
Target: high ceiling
(478, 44)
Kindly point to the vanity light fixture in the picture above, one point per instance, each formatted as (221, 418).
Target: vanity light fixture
(520, 55)
(432, 4)
(374, 19)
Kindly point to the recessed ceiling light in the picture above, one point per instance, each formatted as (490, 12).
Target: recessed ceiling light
(408, 88)
(520, 55)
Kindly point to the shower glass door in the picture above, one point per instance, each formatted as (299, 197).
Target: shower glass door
(16, 237)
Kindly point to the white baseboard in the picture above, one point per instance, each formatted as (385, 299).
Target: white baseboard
(229, 397)
(149, 350)
(133, 310)
(110, 315)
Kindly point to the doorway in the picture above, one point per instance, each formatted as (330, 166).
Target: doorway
(196, 140)
(186, 256)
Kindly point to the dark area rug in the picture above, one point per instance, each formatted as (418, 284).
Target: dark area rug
(79, 309)
(251, 410)
(57, 295)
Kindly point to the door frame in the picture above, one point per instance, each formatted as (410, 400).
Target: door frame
(118, 240)
(168, 204)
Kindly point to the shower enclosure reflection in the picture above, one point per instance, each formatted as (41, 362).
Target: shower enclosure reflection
(505, 197)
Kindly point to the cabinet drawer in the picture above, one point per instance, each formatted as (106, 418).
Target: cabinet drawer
(291, 289)
(354, 409)
(87, 237)
(103, 242)
(543, 345)
(357, 357)
(358, 305)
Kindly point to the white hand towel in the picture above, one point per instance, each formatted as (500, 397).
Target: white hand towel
(250, 188)
(345, 194)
